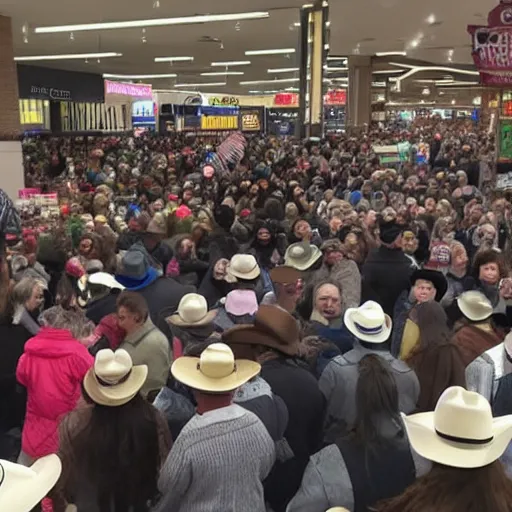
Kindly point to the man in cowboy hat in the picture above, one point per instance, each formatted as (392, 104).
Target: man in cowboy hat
(274, 339)
(371, 328)
(221, 457)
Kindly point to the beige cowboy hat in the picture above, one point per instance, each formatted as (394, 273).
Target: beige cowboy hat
(302, 255)
(475, 305)
(368, 322)
(113, 380)
(105, 279)
(22, 488)
(461, 432)
(192, 312)
(243, 266)
(216, 371)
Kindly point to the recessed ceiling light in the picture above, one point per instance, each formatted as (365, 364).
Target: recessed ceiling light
(139, 77)
(282, 70)
(205, 84)
(431, 19)
(453, 102)
(174, 59)
(278, 81)
(103, 55)
(184, 20)
(276, 51)
(231, 63)
(222, 73)
(296, 24)
(390, 54)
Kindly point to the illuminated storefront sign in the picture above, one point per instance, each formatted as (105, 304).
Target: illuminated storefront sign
(250, 121)
(285, 99)
(335, 97)
(219, 122)
(133, 90)
(224, 101)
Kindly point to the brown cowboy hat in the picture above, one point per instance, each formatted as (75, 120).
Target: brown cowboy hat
(273, 327)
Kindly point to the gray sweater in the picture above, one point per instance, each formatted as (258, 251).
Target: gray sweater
(217, 464)
(326, 482)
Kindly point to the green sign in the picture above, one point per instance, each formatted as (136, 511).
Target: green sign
(505, 140)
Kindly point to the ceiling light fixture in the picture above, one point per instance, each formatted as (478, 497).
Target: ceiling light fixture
(70, 56)
(205, 84)
(161, 22)
(174, 59)
(278, 81)
(276, 51)
(391, 54)
(139, 77)
(335, 68)
(282, 70)
(231, 63)
(387, 71)
(222, 73)
(379, 84)
(431, 19)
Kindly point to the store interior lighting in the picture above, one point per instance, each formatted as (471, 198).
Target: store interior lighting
(230, 63)
(204, 84)
(69, 56)
(275, 51)
(282, 70)
(223, 73)
(278, 81)
(139, 77)
(174, 59)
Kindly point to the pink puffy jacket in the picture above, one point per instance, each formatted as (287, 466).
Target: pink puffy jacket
(52, 368)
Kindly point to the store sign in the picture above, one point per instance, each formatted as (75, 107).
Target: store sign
(219, 123)
(505, 141)
(335, 97)
(507, 108)
(50, 93)
(285, 99)
(492, 46)
(225, 101)
(251, 121)
(133, 90)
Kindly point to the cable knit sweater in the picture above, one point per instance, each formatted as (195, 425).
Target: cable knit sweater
(217, 464)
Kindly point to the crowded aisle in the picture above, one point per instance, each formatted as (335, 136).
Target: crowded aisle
(254, 323)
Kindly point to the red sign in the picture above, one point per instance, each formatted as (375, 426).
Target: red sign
(335, 97)
(286, 99)
(492, 45)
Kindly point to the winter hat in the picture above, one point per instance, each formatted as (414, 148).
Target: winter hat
(389, 231)
(224, 216)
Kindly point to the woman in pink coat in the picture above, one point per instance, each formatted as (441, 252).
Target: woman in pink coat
(52, 369)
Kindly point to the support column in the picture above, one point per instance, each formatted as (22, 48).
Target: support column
(359, 91)
(11, 167)
(312, 58)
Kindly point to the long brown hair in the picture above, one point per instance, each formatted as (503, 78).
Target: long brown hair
(447, 489)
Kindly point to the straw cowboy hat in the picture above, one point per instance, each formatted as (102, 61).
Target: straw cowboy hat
(368, 322)
(273, 327)
(192, 312)
(113, 380)
(22, 488)
(461, 432)
(475, 306)
(243, 266)
(302, 255)
(105, 279)
(337, 509)
(216, 371)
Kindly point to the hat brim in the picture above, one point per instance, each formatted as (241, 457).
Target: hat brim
(423, 438)
(115, 395)
(208, 319)
(251, 335)
(253, 274)
(381, 337)
(104, 279)
(468, 313)
(290, 261)
(24, 494)
(185, 369)
(131, 283)
(436, 278)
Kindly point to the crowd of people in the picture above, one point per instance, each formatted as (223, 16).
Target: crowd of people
(257, 324)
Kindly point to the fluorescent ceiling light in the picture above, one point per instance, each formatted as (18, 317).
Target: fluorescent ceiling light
(339, 79)
(231, 63)
(222, 73)
(378, 84)
(389, 54)
(205, 84)
(174, 59)
(282, 70)
(333, 57)
(296, 24)
(431, 19)
(70, 56)
(387, 71)
(276, 51)
(278, 81)
(139, 77)
(339, 68)
(292, 89)
(459, 84)
(160, 22)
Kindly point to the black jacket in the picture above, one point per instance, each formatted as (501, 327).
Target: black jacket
(386, 274)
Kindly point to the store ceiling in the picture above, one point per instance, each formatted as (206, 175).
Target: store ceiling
(430, 32)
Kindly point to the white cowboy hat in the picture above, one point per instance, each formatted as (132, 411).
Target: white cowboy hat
(243, 266)
(475, 306)
(22, 488)
(216, 371)
(113, 380)
(192, 312)
(368, 322)
(461, 432)
(302, 255)
(105, 279)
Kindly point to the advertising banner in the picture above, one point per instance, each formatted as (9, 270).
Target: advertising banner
(250, 121)
(219, 123)
(133, 90)
(286, 99)
(335, 97)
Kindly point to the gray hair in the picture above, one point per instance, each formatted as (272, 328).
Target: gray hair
(74, 321)
(22, 291)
